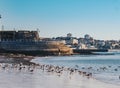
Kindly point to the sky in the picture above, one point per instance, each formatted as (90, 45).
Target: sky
(98, 18)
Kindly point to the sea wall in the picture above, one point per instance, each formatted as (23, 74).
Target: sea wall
(35, 48)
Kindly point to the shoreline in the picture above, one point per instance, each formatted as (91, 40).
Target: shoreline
(58, 75)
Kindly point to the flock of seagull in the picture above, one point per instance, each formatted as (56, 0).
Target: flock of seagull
(52, 69)
(59, 70)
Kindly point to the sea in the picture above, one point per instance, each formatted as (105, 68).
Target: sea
(104, 67)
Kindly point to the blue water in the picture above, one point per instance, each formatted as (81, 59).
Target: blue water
(111, 63)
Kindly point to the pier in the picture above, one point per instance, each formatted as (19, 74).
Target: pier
(88, 51)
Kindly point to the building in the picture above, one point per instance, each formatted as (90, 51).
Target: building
(29, 43)
(19, 35)
(69, 35)
(87, 36)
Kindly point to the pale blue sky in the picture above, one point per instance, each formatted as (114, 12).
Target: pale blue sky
(99, 18)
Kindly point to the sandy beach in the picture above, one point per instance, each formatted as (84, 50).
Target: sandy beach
(34, 76)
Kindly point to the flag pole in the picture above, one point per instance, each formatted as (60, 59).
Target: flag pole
(0, 22)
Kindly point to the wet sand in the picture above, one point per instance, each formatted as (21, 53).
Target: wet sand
(46, 76)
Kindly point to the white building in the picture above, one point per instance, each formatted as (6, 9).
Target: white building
(82, 46)
(71, 41)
